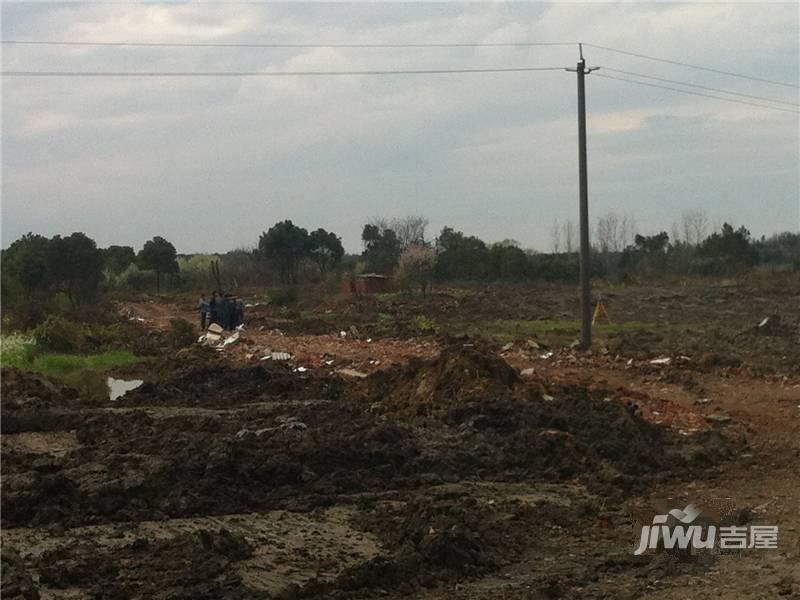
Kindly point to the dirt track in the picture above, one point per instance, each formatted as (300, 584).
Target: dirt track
(451, 476)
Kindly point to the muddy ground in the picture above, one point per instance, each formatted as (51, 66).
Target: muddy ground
(456, 467)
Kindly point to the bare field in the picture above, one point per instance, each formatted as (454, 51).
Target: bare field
(452, 446)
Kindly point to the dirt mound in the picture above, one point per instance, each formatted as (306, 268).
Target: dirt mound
(23, 390)
(191, 565)
(459, 372)
(202, 379)
(17, 581)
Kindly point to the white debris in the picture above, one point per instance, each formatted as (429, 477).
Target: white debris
(230, 340)
(301, 369)
(547, 398)
(507, 347)
(351, 373)
(546, 355)
(664, 360)
(343, 334)
(215, 328)
(280, 356)
(529, 372)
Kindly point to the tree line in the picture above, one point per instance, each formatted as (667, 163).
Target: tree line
(35, 266)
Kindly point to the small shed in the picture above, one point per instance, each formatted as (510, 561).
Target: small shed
(367, 283)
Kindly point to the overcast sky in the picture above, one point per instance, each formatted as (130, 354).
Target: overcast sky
(210, 163)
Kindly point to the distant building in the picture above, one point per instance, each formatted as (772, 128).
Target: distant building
(367, 283)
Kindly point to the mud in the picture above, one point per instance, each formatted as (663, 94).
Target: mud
(443, 462)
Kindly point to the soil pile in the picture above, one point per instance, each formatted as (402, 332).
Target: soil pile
(190, 565)
(23, 390)
(460, 372)
(201, 378)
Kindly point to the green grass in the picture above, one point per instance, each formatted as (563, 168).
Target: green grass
(16, 351)
(329, 317)
(553, 331)
(20, 352)
(387, 296)
(63, 365)
(385, 318)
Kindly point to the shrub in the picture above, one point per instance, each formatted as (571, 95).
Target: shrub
(425, 324)
(283, 297)
(181, 333)
(57, 334)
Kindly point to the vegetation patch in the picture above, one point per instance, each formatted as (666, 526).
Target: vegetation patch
(555, 331)
(63, 365)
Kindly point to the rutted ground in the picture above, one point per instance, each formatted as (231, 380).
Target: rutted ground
(470, 471)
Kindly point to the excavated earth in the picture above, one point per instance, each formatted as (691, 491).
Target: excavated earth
(218, 480)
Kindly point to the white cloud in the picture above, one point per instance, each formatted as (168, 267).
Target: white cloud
(378, 145)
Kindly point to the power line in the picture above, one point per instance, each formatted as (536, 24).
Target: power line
(260, 45)
(664, 87)
(683, 64)
(702, 87)
(267, 73)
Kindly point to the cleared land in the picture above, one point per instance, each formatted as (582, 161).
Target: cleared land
(479, 457)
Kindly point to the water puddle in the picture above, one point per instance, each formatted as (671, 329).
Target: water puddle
(118, 387)
(98, 386)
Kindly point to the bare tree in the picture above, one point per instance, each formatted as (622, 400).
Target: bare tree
(627, 231)
(614, 232)
(410, 230)
(608, 232)
(698, 226)
(692, 227)
(555, 236)
(569, 236)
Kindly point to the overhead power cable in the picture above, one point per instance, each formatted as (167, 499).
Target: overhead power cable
(267, 73)
(280, 45)
(701, 68)
(701, 87)
(664, 87)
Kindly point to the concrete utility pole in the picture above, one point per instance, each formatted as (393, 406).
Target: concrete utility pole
(586, 301)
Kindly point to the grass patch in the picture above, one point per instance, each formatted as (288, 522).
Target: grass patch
(555, 332)
(388, 296)
(328, 317)
(385, 318)
(63, 365)
(16, 351)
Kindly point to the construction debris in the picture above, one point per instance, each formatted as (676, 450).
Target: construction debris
(351, 373)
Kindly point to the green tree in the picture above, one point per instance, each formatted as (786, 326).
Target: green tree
(508, 261)
(460, 256)
(325, 249)
(381, 248)
(118, 258)
(160, 256)
(727, 250)
(26, 262)
(285, 244)
(75, 266)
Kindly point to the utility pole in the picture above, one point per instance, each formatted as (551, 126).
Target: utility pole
(585, 287)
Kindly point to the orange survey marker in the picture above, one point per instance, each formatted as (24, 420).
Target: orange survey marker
(600, 311)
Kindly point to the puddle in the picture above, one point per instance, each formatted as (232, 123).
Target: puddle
(118, 387)
(99, 386)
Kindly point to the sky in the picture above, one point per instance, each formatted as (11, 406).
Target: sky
(210, 163)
